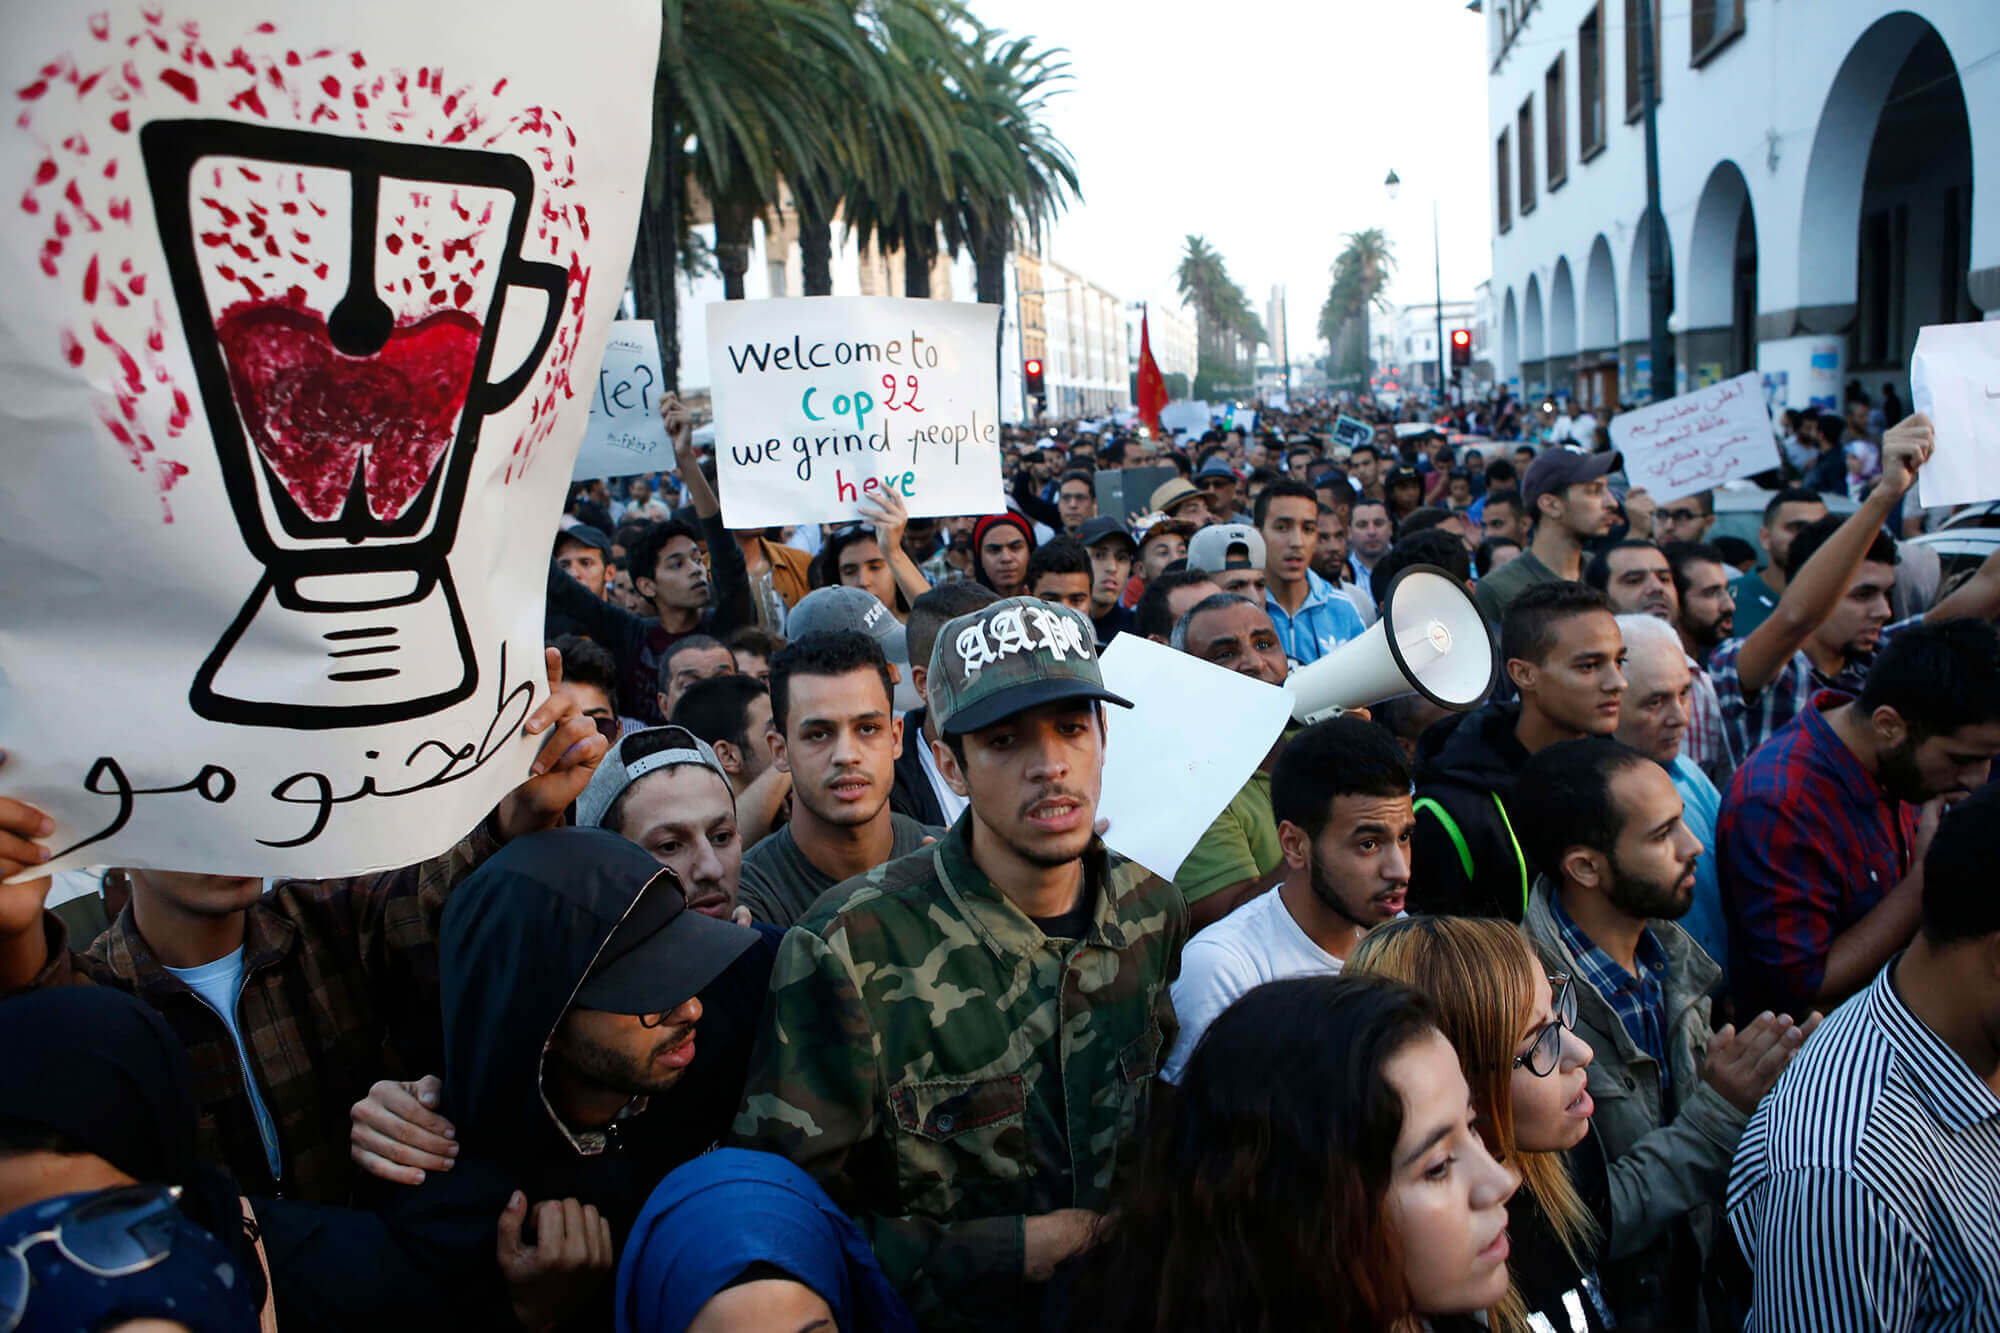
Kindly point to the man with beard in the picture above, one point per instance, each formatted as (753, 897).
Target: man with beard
(960, 1045)
(1824, 830)
(1667, 1097)
(835, 730)
(1635, 577)
(1707, 608)
(1341, 798)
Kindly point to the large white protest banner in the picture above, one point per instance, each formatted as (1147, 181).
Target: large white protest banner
(1160, 803)
(1194, 417)
(1688, 444)
(626, 435)
(1955, 381)
(820, 400)
(307, 303)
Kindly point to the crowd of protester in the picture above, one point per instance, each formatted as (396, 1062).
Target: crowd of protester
(795, 987)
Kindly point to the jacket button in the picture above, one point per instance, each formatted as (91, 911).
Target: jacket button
(945, 1122)
(1631, 1084)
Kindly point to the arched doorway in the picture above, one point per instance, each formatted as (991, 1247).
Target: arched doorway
(1885, 242)
(1562, 330)
(1722, 280)
(1597, 363)
(1534, 341)
(1510, 343)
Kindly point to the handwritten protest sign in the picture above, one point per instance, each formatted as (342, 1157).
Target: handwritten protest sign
(277, 516)
(1159, 806)
(626, 434)
(1955, 381)
(821, 400)
(1702, 439)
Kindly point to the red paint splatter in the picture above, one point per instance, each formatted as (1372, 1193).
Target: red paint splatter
(47, 171)
(33, 90)
(248, 100)
(181, 83)
(461, 294)
(90, 282)
(330, 85)
(121, 120)
(100, 25)
(393, 243)
(72, 350)
(138, 284)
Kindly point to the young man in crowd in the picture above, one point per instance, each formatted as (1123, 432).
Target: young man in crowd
(1863, 1189)
(1569, 503)
(1340, 795)
(1667, 1097)
(919, 790)
(953, 562)
(1178, 499)
(1823, 830)
(1707, 616)
(753, 649)
(1564, 654)
(1364, 469)
(290, 1002)
(1790, 512)
(1161, 545)
(1112, 552)
(580, 1064)
(686, 661)
(1835, 609)
(1311, 616)
(1503, 516)
(1655, 718)
(835, 730)
(1076, 500)
(668, 571)
(1238, 856)
(1370, 534)
(1060, 571)
(1233, 555)
(584, 553)
(732, 715)
(590, 677)
(913, 1060)
(1687, 519)
(1638, 578)
(1218, 482)
(1001, 543)
(1168, 598)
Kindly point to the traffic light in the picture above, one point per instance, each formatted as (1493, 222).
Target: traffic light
(1461, 347)
(1034, 373)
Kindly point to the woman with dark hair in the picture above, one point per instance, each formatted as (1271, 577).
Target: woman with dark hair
(1512, 1027)
(1001, 544)
(1319, 1167)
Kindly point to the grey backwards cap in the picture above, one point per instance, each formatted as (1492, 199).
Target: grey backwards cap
(615, 773)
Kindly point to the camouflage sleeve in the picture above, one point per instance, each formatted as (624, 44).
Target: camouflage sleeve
(813, 1096)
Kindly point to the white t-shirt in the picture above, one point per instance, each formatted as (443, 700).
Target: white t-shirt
(1256, 943)
(220, 984)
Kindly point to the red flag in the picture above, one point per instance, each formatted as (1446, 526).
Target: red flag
(1152, 388)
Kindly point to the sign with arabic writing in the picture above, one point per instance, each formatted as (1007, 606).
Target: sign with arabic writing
(1955, 381)
(1688, 444)
(309, 304)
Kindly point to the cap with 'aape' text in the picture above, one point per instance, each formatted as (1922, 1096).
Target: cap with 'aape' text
(1008, 657)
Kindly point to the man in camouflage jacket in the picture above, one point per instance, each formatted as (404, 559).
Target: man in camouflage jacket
(960, 1044)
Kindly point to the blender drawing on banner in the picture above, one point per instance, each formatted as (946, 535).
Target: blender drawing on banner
(341, 299)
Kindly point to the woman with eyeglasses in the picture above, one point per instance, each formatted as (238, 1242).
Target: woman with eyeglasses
(1513, 1028)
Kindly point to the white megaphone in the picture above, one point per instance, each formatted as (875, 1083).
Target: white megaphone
(1431, 640)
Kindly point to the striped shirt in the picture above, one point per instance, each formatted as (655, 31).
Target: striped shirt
(1866, 1191)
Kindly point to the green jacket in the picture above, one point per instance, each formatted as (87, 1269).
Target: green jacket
(945, 1070)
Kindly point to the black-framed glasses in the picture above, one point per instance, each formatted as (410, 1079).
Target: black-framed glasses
(111, 1234)
(1543, 1057)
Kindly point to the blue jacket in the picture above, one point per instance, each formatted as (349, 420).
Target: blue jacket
(1324, 621)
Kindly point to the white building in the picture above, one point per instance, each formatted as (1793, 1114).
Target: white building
(1085, 366)
(1414, 338)
(1279, 341)
(1817, 165)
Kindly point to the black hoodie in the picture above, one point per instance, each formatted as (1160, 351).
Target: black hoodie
(517, 941)
(1466, 766)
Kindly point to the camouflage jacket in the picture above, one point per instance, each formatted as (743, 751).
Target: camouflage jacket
(945, 1070)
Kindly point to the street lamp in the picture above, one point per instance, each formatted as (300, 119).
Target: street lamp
(1394, 186)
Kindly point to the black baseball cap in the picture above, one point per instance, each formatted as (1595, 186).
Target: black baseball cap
(1095, 530)
(1559, 467)
(659, 955)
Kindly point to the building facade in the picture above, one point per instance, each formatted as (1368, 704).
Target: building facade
(1414, 339)
(1085, 369)
(1817, 170)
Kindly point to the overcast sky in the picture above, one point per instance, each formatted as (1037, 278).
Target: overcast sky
(1268, 127)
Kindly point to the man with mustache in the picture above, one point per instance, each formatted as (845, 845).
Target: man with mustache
(1341, 797)
(960, 1044)
(1671, 1095)
(836, 732)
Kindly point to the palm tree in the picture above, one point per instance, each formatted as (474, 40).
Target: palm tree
(1360, 282)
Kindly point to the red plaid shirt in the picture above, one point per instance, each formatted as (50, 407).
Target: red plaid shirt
(340, 988)
(1807, 844)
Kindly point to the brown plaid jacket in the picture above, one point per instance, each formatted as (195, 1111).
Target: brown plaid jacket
(340, 988)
